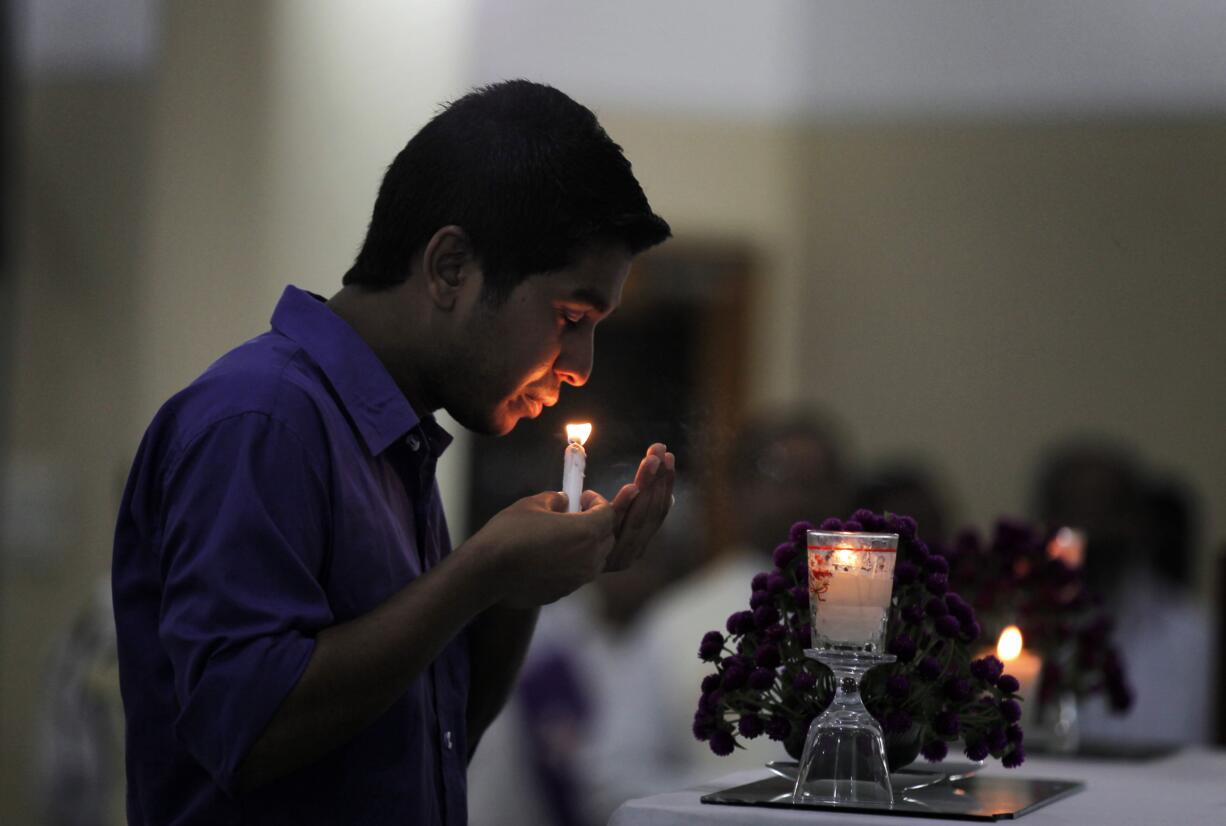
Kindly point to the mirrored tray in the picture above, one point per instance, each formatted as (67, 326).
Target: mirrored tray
(906, 779)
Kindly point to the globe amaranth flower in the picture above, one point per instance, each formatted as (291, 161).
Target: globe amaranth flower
(735, 678)
(935, 607)
(1011, 710)
(937, 584)
(902, 647)
(947, 724)
(722, 743)
(804, 681)
(936, 565)
(778, 728)
(750, 725)
(775, 633)
(1008, 683)
(905, 526)
(711, 682)
(776, 583)
(853, 525)
(970, 630)
(767, 656)
(987, 668)
(934, 750)
(898, 686)
(905, 572)
(929, 668)
(712, 643)
(740, 622)
(784, 555)
(977, 751)
(800, 532)
(761, 679)
(1014, 734)
(959, 607)
(708, 703)
(1015, 758)
(958, 689)
(703, 727)
(799, 595)
(913, 613)
(832, 524)
(765, 615)
(759, 598)
(759, 581)
(996, 738)
(897, 722)
(948, 626)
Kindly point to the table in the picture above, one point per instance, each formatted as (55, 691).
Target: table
(1184, 789)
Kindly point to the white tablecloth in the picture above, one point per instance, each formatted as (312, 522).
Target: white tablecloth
(1186, 789)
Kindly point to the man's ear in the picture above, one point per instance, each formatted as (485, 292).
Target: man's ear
(447, 265)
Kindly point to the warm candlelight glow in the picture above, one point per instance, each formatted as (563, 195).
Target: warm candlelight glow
(845, 557)
(578, 432)
(1009, 647)
(1068, 545)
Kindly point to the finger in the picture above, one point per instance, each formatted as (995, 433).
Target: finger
(647, 470)
(556, 501)
(627, 494)
(590, 499)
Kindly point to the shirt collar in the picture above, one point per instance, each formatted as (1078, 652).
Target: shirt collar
(366, 390)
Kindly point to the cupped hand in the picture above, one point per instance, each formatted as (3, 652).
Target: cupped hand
(641, 506)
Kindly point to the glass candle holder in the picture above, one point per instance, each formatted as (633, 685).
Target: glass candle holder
(851, 580)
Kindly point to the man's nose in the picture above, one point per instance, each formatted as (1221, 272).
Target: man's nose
(574, 362)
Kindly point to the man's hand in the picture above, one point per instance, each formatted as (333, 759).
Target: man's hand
(642, 506)
(543, 553)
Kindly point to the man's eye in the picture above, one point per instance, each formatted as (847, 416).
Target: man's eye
(573, 317)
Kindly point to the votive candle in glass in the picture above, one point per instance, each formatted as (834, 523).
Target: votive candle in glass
(851, 580)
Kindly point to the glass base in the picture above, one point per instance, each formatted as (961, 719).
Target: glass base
(844, 758)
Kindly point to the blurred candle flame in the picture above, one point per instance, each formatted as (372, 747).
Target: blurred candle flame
(845, 557)
(1009, 647)
(578, 432)
(1068, 545)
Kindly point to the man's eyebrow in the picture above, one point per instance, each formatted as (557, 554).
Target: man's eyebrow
(587, 295)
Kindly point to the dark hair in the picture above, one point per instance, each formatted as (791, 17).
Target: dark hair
(529, 174)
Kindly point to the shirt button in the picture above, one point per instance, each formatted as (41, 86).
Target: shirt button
(447, 739)
(413, 441)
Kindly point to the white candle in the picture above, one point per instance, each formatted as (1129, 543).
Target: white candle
(573, 463)
(851, 578)
(1023, 665)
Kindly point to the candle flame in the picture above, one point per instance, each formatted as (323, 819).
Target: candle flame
(845, 557)
(1068, 545)
(578, 432)
(1009, 647)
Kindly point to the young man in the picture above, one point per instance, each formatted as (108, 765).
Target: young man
(298, 642)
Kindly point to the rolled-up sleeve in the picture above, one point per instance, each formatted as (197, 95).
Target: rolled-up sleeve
(244, 539)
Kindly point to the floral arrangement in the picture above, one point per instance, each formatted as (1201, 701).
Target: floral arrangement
(1019, 577)
(934, 694)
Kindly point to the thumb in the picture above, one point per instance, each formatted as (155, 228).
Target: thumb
(555, 501)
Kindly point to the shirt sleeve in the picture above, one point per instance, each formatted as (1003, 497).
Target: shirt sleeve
(244, 538)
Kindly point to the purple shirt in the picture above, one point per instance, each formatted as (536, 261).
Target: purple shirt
(289, 488)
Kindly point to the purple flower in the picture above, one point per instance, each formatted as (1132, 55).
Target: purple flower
(1011, 710)
(913, 613)
(970, 630)
(832, 524)
(997, 739)
(784, 555)
(864, 516)
(937, 584)
(712, 643)
(853, 525)
(902, 647)
(750, 725)
(708, 703)
(740, 622)
(958, 689)
(919, 551)
(761, 679)
(765, 615)
(738, 661)
(776, 583)
(1014, 733)
(759, 581)
(768, 656)
(800, 595)
(800, 532)
(947, 724)
(959, 607)
(734, 678)
(905, 527)
(934, 751)
(722, 743)
(1008, 683)
(703, 727)
(775, 633)
(935, 607)
(758, 598)
(936, 565)
(948, 626)
(898, 686)
(897, 722)
(778, 728)
(710, 683)
(804, 681)
(905, 572)
(977, 751)
(929, 668)
(1014, 758)
(987, 668)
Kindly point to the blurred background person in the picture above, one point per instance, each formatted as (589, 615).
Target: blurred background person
(1139, 531)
